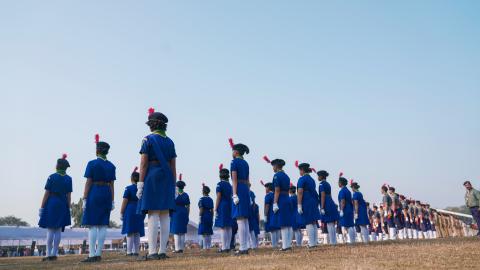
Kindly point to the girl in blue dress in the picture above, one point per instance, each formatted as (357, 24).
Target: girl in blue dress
(179, 219)
(55, 209)
(223, 209)
(270, 227)
(132, 224)
(253, 222)
(346, 210)
(308, 203)
(360, 212)
(297, 225)
(328, 208)
(239, 170)
(99, 200)
(156, 188)
(281, 203)
(205, 227)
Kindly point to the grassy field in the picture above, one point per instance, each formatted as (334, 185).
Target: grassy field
(452, 253)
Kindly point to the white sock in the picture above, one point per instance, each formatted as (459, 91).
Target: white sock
(392, 234)
(312, 232)
(365, 233)
(298, 237)
(286, 243)
(102, 233)
(164, 220)
(225, 239)
(92, 240)
(130, 243)
(274, 236)
(243, 232)
(57, 236)
(351, 234)
(208, 240)
(332, 234)
(50, 236)
(229, 237)
(153, 221)
(176, 241)
(136, 243)
(253, 239)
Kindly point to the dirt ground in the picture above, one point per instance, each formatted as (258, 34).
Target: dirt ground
(452, 253)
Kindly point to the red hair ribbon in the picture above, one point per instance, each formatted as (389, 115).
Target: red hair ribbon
(220, 167)
(351, 182)
(315, 171)
(296, 163)
(64, 156)
(266, 159)
(135, 169)
(340, 175)
(291, 184)
(150, 111)
(261, 182)
(97, 138)
(180, 177)
(230, 141)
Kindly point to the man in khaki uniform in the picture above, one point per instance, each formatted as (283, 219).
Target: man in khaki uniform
(472, 201)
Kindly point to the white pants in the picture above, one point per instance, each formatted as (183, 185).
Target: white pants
(392, 233)
(415, 234)
(154, 220)
(312, 232)
(206, 241)
(253, 240)
(365, 234)
(286, 240)
(275, 235)
(179, 240)
(243, 233)
(332, 233)
(53, 241)
(133, 243)
(96, 239)
(352, 234)
(226, 237)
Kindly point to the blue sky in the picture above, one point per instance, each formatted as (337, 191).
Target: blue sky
(386, 92)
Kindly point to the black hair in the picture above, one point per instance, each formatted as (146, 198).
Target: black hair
(293, 189)
(103, 148)
(205, 190)
(135, 177)
(269, 186)
(241, 148)
(156, 125)
(343, 181)
(385, 188)
(62, 164)
(157, 121)
(305, 167)
(466, 182)
(355, 185)
(278, 162)
(391, 189)
(323, 174)
(180, 184)
(224, 174)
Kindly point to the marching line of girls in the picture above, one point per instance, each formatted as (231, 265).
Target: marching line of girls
(155, 192)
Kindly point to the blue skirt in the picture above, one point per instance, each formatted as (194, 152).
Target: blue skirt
(242, 209)
(224, 214)
(347, 219)
(158, 191)
(133, 222)
(179, 220)
(98, 206)
(331, 211)
(362, 217)
(206, 224)
(283, 217)
(56, 213)
(310, 209)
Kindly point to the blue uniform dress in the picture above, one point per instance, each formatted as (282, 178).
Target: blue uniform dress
(224, 210)
(347, 219)
(242, 209)
(159, 187)
(362, 209)
(99, 198)
(179, 217)
(310, 199)
(331, 209)
(283, 217)
(297, 223)
(56, 211)
(132, 222)
(206, 218)
(269, 225)
(253, 217)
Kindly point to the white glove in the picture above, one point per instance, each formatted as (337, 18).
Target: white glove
(408, 220)
(139, 190)
(84, 204)
(322, 211)
(385, 213)
(265, 218)
(355, 216)
(113, 206)
(300, 209)
(40, 212)
(251, 201)
(236, 200)
(216, 214)
(341, 213)
(275, 208)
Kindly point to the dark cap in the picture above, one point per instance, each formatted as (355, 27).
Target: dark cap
(157, 117)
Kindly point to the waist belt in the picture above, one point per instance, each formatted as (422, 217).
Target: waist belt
(56, 194)
(154, 163)
(101, 183)
(243, 181)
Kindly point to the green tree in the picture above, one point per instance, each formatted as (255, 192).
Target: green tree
(77, 213)
(12, 221)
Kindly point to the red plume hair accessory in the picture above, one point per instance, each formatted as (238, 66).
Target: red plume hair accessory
(266, 159)
(291, 184)
(220, 167)
(351, 182)
(97, 138)
(230, 141)
(296, 163)
(180, 177)
(150, 111)
(341, 174)
(64, 156)
(315, 171)
(135, 169)
(261, 182)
